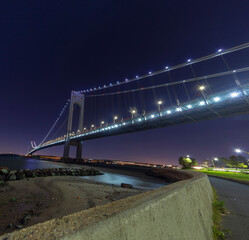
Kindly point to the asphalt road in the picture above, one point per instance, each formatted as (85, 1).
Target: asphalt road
(236, 198)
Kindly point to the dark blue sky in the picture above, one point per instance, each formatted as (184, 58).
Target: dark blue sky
(48, 48)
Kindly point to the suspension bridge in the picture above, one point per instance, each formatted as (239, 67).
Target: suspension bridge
(214, 86)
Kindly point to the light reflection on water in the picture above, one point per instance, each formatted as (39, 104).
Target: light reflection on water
(117, 179)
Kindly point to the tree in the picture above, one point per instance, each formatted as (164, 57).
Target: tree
(187, 162)
(205, 163)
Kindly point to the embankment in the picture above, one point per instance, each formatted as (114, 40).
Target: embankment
(182, 210)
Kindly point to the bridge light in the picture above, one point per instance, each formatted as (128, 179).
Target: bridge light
(169, 112)
(152, 116)
(189, 60)
(179, 109)
(234, 94)
(216, 159)
(126, 80)
(159, 102)
(166, 67)
(150, 73)
(115, 118)
(136, 76)
(216, 99)
(189, 106)
(202, 103)
(139, 119)
(202, 87)
(117, 82)
(219, 50)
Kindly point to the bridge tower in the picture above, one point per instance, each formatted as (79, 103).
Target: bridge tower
(78, 99)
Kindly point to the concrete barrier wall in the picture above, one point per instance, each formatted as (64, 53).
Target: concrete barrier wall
(182, 210)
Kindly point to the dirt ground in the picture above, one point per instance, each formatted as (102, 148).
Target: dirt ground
(30, 201)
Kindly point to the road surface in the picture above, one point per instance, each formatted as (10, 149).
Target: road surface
(236, 198)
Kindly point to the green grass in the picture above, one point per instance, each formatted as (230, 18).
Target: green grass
(237, 176)
(218, 210)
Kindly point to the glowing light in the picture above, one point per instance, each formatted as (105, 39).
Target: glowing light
(216, 159)
(219, 50)
(115, 117)
(169, 112)
(159, 102)
(126, 80)
(234, 94)
(166, 67)
(202, 103)
(139, 119)
(117, 82)
(178, 109)
(237, 150)
(102, 122)
(202, 88)
(150, 73)
(152, 116)
(189, 60)
(136, 76)
(133, 111)
(189, 106)
(216, 99)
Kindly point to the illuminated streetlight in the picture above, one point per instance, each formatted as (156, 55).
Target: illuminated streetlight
(115, 118)
(101, 124)
(214, 159)
(159, 103)
(238, 150)
(92, 126)
(202, 88)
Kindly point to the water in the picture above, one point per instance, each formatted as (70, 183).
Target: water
(117, 179)
(15, 163)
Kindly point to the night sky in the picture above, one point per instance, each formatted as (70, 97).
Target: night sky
(48, 48)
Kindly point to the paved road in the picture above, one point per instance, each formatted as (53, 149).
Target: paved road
(236, 198)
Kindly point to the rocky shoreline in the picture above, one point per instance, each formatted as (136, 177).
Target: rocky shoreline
(11, 175)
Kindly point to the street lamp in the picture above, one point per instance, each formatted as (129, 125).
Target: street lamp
(238, 150)
(101, 124)
(215, 159)
(202, 88)
(115, 118)
(92, 126)
(159, 103)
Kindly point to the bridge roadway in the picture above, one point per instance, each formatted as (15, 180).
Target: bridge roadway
(226, 103)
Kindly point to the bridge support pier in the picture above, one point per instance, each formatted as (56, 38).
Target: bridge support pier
(79, 150)
(79, 99)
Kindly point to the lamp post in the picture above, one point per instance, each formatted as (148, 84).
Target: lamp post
(159, 103)
(238, 150)
(92, 126)
(102, 123)
(214, 159)
(115, 118)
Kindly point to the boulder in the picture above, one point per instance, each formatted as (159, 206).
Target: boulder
(20, 175)
(11, 176)
(4, 170)
(28, 173)
(126, 185)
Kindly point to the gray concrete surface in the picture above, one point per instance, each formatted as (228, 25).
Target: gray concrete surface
(179, 211)
(236, 198)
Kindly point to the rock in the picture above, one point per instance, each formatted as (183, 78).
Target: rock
(28, 173)
(20, 174)
(19, 226)
(126, 185)
(11, 176)
(4, 170)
